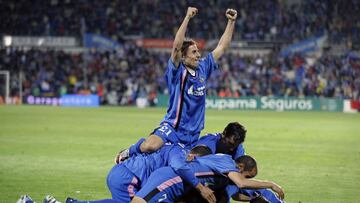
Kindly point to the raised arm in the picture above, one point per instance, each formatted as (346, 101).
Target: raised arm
(225, 39)
(242, 182)
(180, 35)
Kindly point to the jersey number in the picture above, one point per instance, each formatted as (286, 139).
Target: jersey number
(163, 197)
(165, 130)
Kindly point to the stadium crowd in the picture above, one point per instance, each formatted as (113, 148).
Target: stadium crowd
(257, 20)
(133, 72)
(329, 76)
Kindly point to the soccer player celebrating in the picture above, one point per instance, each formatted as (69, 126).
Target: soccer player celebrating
(186, 77)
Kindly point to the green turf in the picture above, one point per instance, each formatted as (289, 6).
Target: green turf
(315, 157)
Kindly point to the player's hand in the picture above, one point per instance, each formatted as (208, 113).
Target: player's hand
(117, 158)
(122, 156)
(191, 12)
(276, 188)
(231, 14)
(206, 193)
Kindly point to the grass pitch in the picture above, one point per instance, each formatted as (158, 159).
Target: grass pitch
(315, 157)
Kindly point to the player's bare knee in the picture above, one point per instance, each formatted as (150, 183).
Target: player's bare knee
(145, 146)
(151, 144)
(138, 200)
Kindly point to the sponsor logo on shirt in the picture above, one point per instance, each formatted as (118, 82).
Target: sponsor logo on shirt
(199, 91)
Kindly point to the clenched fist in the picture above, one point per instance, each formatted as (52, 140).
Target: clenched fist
(191, 12)
(231, 14)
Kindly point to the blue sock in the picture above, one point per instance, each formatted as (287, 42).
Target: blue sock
(135, 148)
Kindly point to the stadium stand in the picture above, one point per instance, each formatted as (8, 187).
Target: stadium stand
(258, 20)
(119, 77)
(122, 79)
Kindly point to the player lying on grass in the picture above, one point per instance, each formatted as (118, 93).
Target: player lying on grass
(216, 171)
(186, 78)
(125, 179)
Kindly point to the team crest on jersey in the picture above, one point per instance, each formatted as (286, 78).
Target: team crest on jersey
(199, 91)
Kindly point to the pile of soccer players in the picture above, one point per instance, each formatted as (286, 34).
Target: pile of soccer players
(173, 164)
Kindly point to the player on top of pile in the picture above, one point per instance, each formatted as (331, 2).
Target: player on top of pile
(186, 77)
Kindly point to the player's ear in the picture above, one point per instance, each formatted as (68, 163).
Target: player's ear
(190, 157)
(183, 55)
(241, 167)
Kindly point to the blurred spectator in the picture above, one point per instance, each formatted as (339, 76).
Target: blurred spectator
(257, 20)
(120, 80)
(124, 76)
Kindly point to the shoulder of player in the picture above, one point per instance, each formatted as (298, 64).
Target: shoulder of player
(209, 55)
(171, 146)
(172, 66)
(203, 62)
(219, 156)
(211, 136)
(222, 155)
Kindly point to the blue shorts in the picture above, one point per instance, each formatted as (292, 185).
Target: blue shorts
(169, 134)
(163, 185)
(122, 183)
